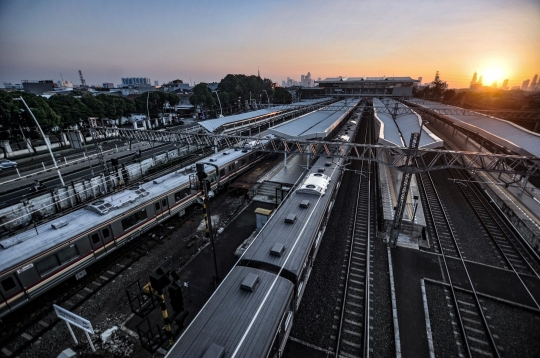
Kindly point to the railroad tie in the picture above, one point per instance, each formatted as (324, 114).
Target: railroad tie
(352, 333)
(6, 352)
(27, 336)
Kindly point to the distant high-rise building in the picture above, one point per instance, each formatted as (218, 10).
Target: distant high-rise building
(525, 85)
(136, 81)
(156, 83)
(283, 83)
(306, 81)
(473, 81)
(534, 83)
(494, 84)
(108, 85)
(505, 85)
(480, 80)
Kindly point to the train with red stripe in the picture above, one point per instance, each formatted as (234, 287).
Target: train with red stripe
(34, 261)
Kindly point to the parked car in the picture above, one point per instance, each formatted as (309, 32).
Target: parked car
(5, 164)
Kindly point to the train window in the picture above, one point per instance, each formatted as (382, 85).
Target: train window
(95, 238)
(243, 161)
(156, 205)
(164, 202)
(250, 156)
(47, 264)
(140, 215)
(106, 233)
(128, 222)
(222, 172)
(68, 254)
(179, 195)
(8, 284)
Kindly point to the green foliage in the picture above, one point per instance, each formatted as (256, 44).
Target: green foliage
(281, 95)
(233, 87)
(156, 101)
(95, 106)
(70, 109)
(202, 96)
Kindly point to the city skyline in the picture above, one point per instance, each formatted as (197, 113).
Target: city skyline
(204, 42)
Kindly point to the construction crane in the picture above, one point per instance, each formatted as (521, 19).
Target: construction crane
(83, 82)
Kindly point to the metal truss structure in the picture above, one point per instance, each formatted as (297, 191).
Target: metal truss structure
(428, 159)
(403, 190)
(498, 113)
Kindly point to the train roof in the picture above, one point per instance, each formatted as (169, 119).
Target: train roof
(227, 315)
(19, 248)
(316, 124)
(286, 238)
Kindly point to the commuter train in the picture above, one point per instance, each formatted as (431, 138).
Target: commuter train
(252, 311)
(34, 261)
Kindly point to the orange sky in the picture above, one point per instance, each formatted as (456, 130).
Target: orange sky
(205, 40)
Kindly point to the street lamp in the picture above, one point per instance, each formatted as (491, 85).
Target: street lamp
(45, 139)
(221, 109)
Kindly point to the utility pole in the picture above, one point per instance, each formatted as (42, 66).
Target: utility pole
(207, 193)
(405, 185)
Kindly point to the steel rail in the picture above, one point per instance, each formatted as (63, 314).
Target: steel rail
(477, 300)
(501, 229)
(362, 179)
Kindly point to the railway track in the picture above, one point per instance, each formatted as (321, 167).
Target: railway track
(509, 246)
(436, 213)
(353, 325)
(468, 314)
(28, 329)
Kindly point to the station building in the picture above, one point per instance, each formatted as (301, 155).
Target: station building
(367, 86)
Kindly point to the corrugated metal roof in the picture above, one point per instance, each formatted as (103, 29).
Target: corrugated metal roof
(314, 125)
(213, 124)
(505, 133)
(228, 313)
(407, 123)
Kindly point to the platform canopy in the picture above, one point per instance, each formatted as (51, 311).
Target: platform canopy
(398, 131)
(316, 124)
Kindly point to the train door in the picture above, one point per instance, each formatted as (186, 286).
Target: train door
(96, 240)
(165, 207)
(161, 207)
(107, 238)
(11, 293)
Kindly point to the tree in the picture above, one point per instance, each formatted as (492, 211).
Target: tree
(282, 95)
(437, 87)
(96, 107)
(202, 97)
(70, 109)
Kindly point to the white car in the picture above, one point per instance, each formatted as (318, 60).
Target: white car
(5, 164)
